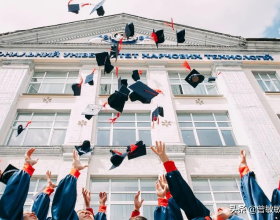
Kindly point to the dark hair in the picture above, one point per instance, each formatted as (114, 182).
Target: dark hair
(138, 218)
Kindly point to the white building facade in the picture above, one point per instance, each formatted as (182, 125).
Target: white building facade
(204, 129)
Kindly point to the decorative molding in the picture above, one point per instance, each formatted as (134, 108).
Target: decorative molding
(47, 100)
(199, 101)
(166, 123)
(82, 123)
(18, 62)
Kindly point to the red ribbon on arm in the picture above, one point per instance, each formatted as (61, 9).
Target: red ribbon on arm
(117, 72)
(186, 65)
(93, 71)
(85, 4)
(28, 124)
(154, 37)
(140, 72)
(82, 80)
(120, 44)
(113, 120)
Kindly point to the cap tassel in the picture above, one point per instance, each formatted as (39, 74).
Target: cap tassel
(186, 65)
(159, 91)
(104, 105)
(154, 119)
(93, 71)
(154, 37)
(28, 123)
(120, 44)
(140, 72)
(133, 147)
(117, 72)
(85, 4)
(158, 120)
(150, 92)
(113, 120)
(117, 152)
(70, 2)
(82, 80)
(219, 73)
(170, 25)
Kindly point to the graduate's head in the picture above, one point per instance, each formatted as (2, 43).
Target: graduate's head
(138, 218)
(223, 213)
(85, 215)
(29, 216)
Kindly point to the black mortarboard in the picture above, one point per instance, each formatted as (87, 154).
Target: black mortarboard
(118, 98)
(114, 53)
(89, 79)
(76, 89)
(135, 75)
(117, 158)
(160, 36)
(91, 110)
(137, 150)
(158, 111)
(99, 8)
(181, 36)
(122, 82)
(194, 78)
(142, 92)
(129, 30)
(101, 58)
(8, 172)
(74, 8)
(108, 67)
(211, 79)
(19, 130)
(84, 148)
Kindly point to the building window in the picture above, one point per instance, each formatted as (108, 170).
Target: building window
(268, 81)
(129, 128)
(179, 86)
(36, 186)
(121, 194)
(109, 82)
(52, 82)
(45, 129)
(216, 192)
(207, 129)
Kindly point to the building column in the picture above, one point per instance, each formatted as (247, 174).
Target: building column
(247, 110)
(14, 79)
(169, 131)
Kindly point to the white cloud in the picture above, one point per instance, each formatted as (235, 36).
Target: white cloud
(247, 18)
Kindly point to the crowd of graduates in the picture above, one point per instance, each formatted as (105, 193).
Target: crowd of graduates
(173, 192)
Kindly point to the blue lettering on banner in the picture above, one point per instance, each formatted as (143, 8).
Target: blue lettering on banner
(154, 56)
(146, 56)
(175, 56)
(160, 55)
(135, 55)
(182, 56)
(128, 56)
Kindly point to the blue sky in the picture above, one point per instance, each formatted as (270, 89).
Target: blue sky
(246, 18)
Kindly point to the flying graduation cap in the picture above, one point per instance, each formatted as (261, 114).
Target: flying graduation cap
(8, 172)
(212, 79)
(194, 78)
(156, 113)
(158, 37)
(142, 92)
(99, 8)
(84, 148)
(117, 158)
(103, 59)
(181, 36)
(118, 98)
(75, 8)
(89, 78)
(91, 110)
(122, 82)
(136, 150)
(114, 53)
(77, 87)
(136, 75)
(129, 30)
(21, 129)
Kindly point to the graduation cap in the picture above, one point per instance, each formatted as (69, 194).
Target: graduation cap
(135, 75)
(76, 89)
(117, 158)
(142, 93)
(194, 78)
(156, 113)
(108, 66)
(91, 110)
(158, 36)
(118, 98)
(101, 58)
(114, 53)
(129, 30)
(84, 148)
(181, 36)
(89, 79)
(8, 172)
(74, 8)
(122, 82)
(21, 129)
(211, 79)
(136, 150)
(99, 8)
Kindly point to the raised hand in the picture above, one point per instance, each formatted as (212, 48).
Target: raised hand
(242, 158)
(50, 183)
(160, 191)
(76, 162)
(102, 198)
(163, 182)
(28, 159)
(86, 195)
(137, 203)
(160, 151)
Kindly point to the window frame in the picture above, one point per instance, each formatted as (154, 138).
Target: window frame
(217, 127)
(52, 127)
(44, 77)
(183, 82)
(268, 74)
(110, 192)
(111, 127)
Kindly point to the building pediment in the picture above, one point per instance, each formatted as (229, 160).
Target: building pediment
(109, 28)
